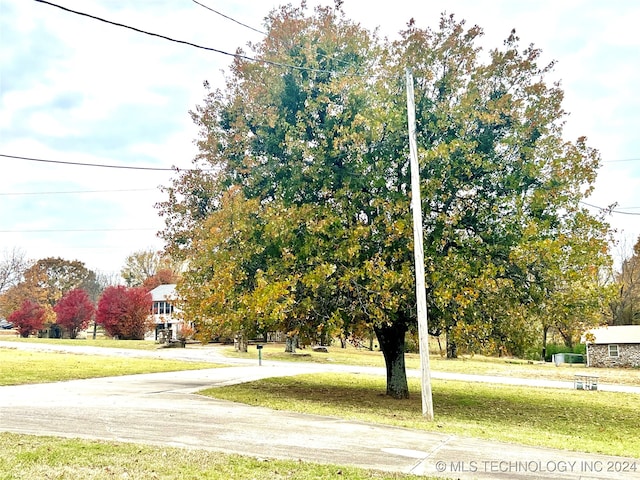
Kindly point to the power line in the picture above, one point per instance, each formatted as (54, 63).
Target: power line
(265, 33)
(93, 247)
(129, 167)
(191, 44)
(101, 165)
(610, 210)
(80, 191)
(229, 18)
(69, 230)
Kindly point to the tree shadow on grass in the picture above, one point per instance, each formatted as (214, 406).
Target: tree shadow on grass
(474, 407)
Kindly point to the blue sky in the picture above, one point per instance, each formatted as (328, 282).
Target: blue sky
(73, 89)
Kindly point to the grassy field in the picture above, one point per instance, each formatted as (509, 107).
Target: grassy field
(98, 342)
(477, 365)
(20, 367)
(29, 457)
(598, 422)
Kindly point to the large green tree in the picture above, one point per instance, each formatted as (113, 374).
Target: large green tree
(298, 210)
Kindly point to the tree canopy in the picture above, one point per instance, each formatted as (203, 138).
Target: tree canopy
(12, 266)
(149, 268)
(28, 318)
(296, 216)
(624, 308)
(125, 312)
(47, 280)
(74, 311)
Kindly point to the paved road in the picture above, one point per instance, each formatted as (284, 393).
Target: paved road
(163, 409)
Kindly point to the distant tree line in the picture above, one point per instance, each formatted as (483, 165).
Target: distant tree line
(60, 295)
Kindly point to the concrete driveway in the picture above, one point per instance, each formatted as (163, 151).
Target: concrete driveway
(163, 409)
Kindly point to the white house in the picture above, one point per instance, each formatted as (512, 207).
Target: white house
(163, 312)
(614, 346)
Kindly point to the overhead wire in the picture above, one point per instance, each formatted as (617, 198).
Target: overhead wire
(235, 55)
(129, 167)
(191, 44)
(121, 190)
(610, 210)
(229, 18)
(100, 165)
(65, 230)
(345, 63)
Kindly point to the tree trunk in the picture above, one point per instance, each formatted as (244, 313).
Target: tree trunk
(240, 343)
(545, 330)
(391, 339)
(566, 336)
(452, 348)
(291, 342)
(439, 345)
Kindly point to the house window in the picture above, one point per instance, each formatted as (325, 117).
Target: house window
(162, 308)
(613, 351)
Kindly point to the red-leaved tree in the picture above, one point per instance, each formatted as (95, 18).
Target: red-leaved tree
(125, 312)
(29, 318)
(74, 311)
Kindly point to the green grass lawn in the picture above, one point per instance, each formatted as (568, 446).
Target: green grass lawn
(27, 457)
(31, 457)
(477, 365)
(598, 422)
(20, 366)
(588, 421)
(98, 342)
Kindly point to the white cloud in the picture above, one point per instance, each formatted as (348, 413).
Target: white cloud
(44, 122)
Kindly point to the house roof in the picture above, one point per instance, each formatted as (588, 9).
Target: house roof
(163, 292)
(615, 334)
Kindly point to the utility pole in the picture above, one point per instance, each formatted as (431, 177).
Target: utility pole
(418, 252)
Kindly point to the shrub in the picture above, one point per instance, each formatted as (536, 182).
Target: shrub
(554, 348)
(125, 312)
(29, 318)
(74, 311)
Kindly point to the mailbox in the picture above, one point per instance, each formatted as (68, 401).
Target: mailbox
(259, 347)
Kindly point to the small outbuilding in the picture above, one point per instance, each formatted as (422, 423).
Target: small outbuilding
(613, 346)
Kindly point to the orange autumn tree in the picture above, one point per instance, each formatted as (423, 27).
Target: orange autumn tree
(164, 276)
